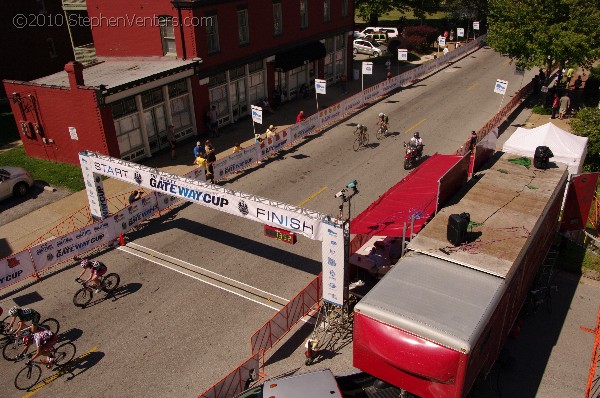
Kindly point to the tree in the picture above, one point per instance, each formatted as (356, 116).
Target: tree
(371, 10)
(587, 124)
(469, 11)
(540, 33)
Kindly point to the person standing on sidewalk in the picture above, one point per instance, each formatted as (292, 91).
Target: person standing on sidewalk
(555, 105)
(343, 83)
(565, 104)
(300, 117)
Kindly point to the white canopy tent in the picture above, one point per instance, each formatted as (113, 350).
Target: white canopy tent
(566, 147)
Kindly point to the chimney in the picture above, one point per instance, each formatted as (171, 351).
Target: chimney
(75, 71)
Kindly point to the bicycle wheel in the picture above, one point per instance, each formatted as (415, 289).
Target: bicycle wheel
(28, 377)
(83, 297)
(357, 143)
(110, 282)
(51, 324)
(12, 349)
(64, 353)
(379, 133)
(365, 140)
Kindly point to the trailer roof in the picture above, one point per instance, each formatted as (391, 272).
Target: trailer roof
(427, 296)
(507, 203)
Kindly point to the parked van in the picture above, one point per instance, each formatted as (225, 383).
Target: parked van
(380, 37)
(392, 32)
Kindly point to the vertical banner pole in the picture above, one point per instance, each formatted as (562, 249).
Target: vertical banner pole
(317, 99)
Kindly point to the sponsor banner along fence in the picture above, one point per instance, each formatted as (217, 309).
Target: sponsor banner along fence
(16, 267)
(326, 117)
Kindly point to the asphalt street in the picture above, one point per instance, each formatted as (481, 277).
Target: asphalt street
(179, 321)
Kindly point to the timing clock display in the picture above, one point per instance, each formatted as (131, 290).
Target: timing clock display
(280, 234)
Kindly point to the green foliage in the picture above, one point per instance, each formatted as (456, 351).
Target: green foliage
(372, 10)
(540, 33)
(56, 174)
(574, 258)
(541, 110)
(586, 123)
(418, 38)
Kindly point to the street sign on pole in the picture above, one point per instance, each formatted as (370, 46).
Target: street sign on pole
(402, 54)
(321, 86)
(367, 69)
(256, 114)
(460, 32)
(475, 25)
(442, 41)
(501, 86)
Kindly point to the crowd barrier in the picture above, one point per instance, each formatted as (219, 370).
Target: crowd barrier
(234, 382)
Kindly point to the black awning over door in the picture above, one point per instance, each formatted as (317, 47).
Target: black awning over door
(299, 56)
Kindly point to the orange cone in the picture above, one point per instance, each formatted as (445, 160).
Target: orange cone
(121, 240)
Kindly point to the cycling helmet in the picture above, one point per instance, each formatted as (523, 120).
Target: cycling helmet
(380, 114)
(358, 126)
(13, 311)
(417, 134)
(85, 263)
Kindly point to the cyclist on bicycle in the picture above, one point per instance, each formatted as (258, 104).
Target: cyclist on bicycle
(44, 341)
(361, 129)
(383, 120)
(24, 315)
(97, 269)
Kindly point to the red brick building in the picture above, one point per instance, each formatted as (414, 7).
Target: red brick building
(162, 62)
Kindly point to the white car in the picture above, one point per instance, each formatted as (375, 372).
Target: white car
(391, 32)
(14, 181)
(367, 47)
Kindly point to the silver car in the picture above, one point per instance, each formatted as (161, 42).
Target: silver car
(14, 181)
(367, 47)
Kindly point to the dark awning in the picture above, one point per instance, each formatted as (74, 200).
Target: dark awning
(298, 56)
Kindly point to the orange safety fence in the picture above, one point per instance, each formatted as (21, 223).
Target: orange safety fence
(594, 216)
(285, 319)
(236, 380)
(593, 382)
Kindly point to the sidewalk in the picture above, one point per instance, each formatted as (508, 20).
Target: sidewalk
(22, 232)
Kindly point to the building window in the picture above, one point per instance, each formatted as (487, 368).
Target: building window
(127, 125)
(277, 28)
(217, 79)
(255, 66)
(178, 88)
(152, 97)
(167, 35)
(51, 48)
(179, 100)
(303, 14)
(256, 89)
(326, 11)
(237, 73)
(212, 34)
(344, 8)
(123, 107)
(243, 26)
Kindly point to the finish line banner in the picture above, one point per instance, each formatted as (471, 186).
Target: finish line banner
(256, 208)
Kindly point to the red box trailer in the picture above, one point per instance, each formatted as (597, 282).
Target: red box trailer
(440, 317)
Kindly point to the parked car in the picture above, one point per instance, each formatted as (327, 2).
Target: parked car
(14, 181)
(392, 32)
(380, 37)
(366, 47)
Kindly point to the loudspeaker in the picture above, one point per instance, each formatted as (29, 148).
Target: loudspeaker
(457, 228)
(541, 157)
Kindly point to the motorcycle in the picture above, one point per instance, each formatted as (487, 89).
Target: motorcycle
(413, 155)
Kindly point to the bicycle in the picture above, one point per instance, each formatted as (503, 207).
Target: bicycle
(382, 132)
(362, 139)
(83, 296)
(14, 344)
(539, 296)
(31, 373)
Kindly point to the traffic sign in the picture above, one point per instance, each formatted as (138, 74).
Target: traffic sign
(501, 86)
(442, 41)
(256, 114)
(475, 25)
(402, 54)
(460, 32)
(367, 68)
(320, 86)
